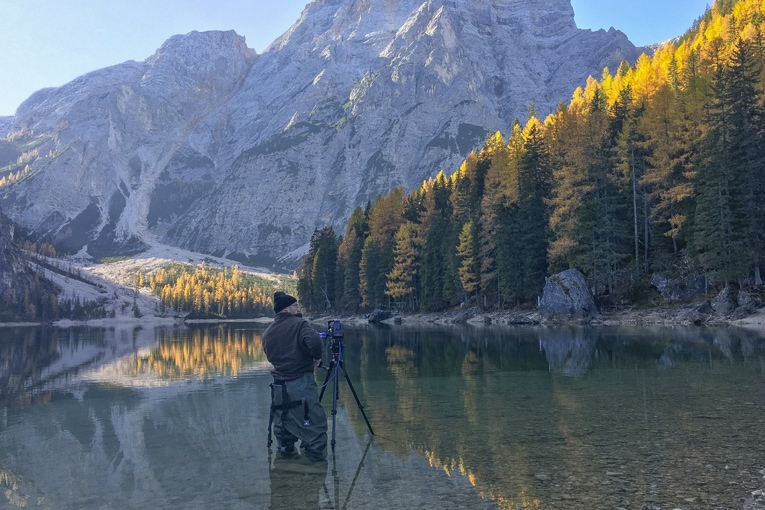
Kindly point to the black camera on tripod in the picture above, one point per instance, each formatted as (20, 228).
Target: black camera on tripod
(335, 334)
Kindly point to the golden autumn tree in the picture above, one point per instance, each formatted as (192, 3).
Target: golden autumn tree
(385, 218)
(402, 281)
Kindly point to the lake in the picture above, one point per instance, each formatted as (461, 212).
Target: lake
(463, 418)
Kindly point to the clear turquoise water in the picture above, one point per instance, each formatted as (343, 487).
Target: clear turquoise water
(463, 418)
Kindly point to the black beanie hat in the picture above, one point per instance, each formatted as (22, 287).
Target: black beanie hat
(282, 301)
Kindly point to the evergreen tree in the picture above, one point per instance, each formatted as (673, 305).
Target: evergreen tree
(349, 258)
(317, 272)
(467, 186)
(535, 176)
(452, 288)
(305, 287)
(493, 216)
(717, 238)
(469, 270)
(510, 252)
(588, 206)
(437, 245)
(402, 281)
(369, 271)
(608, 214)
(324, 270)
(747, 149)
(631, 153)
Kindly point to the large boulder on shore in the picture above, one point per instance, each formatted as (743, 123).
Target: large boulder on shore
(680, 290)
(379, 315)
(734, 304)
(566, 298)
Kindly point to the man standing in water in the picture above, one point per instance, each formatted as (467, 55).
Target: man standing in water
(294, 348)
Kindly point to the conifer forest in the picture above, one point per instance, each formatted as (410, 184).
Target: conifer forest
(656, 168)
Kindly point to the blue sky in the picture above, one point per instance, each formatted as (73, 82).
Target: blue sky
(46, 43)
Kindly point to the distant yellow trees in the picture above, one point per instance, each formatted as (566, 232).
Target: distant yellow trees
(228, 293)
(14, 176)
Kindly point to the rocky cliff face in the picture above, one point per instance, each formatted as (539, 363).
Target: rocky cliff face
(213, 148)
(5, 127)
(23, 294)
(11, 259)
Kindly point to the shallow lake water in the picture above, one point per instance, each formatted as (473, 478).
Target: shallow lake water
(463, 417)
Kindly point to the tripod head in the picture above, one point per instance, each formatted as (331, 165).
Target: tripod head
(335, 334)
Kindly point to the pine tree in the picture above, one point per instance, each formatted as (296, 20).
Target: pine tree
(469, 270)
(608, 214)
(510, 252)
(317, 271)
(534, 190)
(747, 150)
(324, 269)
(588, 203)
(403, 279)
(437, 244)
(467, 186)
(716, 231)
(493, 215)
(631, 153)
(305, 286)
(349, 257)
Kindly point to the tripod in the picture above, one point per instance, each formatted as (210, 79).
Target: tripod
(333, 371)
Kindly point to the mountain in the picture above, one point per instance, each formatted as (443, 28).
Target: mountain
(23, 294)
(208, 146)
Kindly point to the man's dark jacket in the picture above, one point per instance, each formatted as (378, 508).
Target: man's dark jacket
(291, 345)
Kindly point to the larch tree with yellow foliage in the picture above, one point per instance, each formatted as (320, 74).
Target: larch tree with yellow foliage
(403, 280)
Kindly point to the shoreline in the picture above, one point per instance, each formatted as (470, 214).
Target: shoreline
(109, 284)
(665, 317)
(650, 317)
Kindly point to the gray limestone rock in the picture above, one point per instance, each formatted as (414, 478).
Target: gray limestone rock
(566, 298)
(680, 290)
(723, 304)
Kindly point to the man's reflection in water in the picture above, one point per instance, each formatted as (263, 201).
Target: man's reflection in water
(296, 482)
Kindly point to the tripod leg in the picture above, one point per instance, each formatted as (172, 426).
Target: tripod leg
(358, 402)
(329, 374)
(335, 394)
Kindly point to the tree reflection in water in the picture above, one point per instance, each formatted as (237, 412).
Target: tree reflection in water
(207, 351)
(464, 417)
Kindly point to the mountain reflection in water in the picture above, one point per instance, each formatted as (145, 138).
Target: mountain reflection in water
(464, 418)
